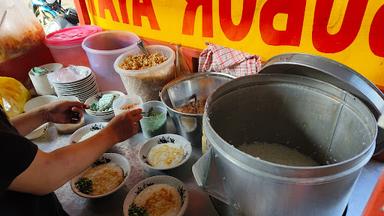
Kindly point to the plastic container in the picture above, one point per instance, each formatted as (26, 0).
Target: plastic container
(65, 44)
(102, 49)
(147, 82)
(154, 119)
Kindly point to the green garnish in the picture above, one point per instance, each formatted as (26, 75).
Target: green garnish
(84, 185)
(102, 160)
(166, 140)
(39, 71)
(96, 127)
(135, 210)
(94, 106)
(151, 113)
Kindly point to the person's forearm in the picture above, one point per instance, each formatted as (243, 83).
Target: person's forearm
(72, 159)
(27, 122)
(49, 171)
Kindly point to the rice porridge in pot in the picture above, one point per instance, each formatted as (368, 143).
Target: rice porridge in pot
(277, 153)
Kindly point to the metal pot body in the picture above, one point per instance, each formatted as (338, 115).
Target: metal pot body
(316, 118)
(180, 91)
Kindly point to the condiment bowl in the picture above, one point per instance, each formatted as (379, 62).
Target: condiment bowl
(105, 115)
(154, 121)
(119, 160)
(173, 139)
(122, 103)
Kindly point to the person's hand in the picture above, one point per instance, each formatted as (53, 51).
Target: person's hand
(64, 112)
(124, 125)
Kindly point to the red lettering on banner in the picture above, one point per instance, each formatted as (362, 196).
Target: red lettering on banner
(144, 8)
(92, 6)
(107, 5)
(190, 15)
(236, 32)
(332, 43)
(376, 34)
(124, 11)
(292, 35)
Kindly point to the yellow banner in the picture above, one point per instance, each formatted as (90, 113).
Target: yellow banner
(351, 32)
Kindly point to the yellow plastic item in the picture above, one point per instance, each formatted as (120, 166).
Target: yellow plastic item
(13, 96)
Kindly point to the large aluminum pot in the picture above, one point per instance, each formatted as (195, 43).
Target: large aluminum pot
(316, 118)
(180, 91)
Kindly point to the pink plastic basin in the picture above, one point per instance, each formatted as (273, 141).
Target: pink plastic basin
(65, 44)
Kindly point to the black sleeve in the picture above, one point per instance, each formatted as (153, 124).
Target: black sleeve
(16, 154)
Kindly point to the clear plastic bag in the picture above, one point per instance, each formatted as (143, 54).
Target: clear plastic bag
(20, 30)
(13, 96)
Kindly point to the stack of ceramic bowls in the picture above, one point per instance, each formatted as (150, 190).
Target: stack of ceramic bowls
(78, 81)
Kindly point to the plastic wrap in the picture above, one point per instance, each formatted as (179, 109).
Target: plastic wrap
(21, 40)
(13, 96)
(20, 30)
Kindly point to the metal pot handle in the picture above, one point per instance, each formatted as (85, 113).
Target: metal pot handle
(205, 173)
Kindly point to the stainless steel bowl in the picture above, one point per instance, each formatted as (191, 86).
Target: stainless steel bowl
(180, 91)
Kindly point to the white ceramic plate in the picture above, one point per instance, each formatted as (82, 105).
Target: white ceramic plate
(161, 139)
(58, 78)
(161, 179)
(75, 87)
(118, 159)
(89, 128)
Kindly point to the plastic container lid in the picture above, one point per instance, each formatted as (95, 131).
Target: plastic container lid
(70, 36)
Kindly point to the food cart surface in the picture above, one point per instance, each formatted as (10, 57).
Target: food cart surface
(199, 201)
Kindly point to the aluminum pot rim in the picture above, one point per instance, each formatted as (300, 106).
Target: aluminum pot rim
(220, 141)
(338, 74)
(189, 77)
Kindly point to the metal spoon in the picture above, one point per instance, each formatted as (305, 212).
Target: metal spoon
(3, 17)
(140, 44)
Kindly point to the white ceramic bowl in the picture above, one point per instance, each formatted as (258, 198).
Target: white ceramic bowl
(169, 138)
(52, 67)
(118, 159)
(125, 100)
(106, 115)
(36, 103)
(161, 179)
(81, 132)
(41, 83)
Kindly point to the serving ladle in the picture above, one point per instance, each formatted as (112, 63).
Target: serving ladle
(141, 46)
